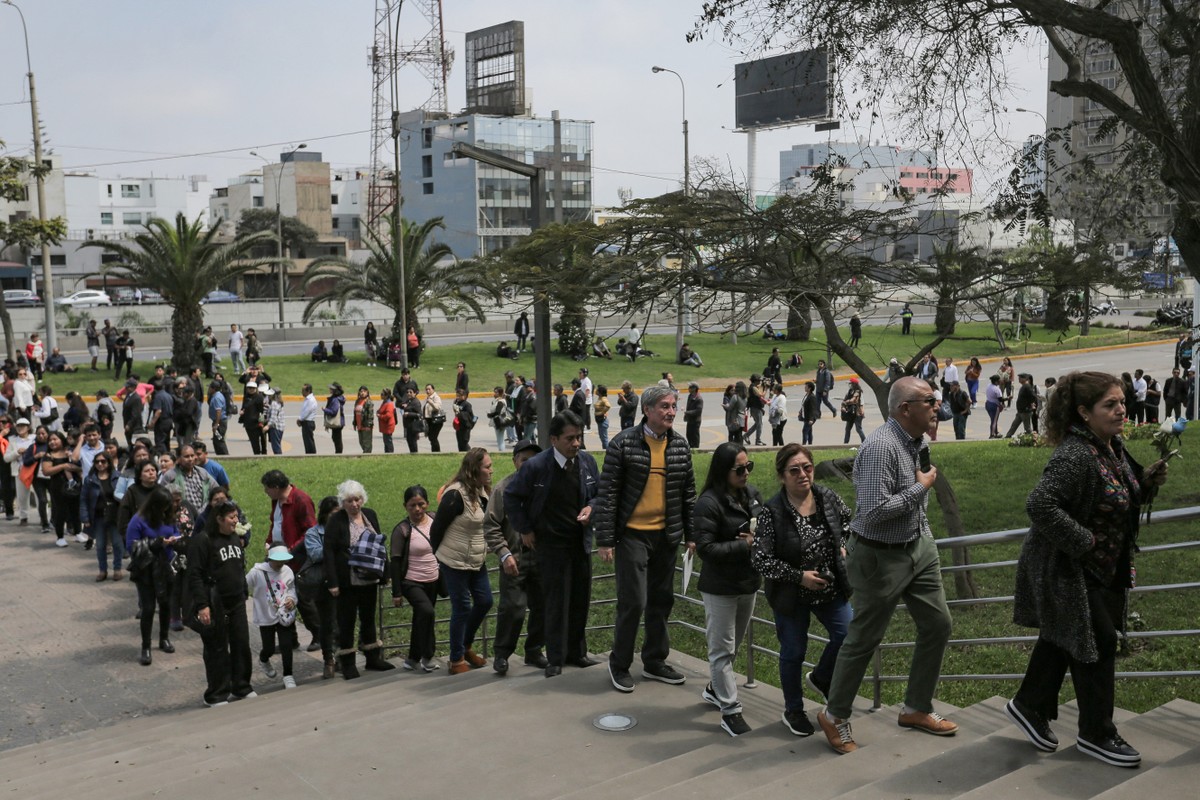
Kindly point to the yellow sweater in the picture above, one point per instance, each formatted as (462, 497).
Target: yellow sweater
(650, 514)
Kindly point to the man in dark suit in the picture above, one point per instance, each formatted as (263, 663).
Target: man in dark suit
(550, 501)
(693, 415)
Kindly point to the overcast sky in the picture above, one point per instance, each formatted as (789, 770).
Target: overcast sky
(126, 85)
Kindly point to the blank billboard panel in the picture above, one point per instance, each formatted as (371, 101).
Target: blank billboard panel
(782, 90)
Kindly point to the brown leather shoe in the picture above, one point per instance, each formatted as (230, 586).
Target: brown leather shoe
(930, 723)
(474, 659)
(838, 733)
(459, 667)
(118, 575)
(103, 576)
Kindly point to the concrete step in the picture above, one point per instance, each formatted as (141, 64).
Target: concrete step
(1174, 778)
(1160, 734)
(883, 750)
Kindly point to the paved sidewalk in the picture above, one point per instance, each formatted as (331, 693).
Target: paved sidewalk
(69, 646)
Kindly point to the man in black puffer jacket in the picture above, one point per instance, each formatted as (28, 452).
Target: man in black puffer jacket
(642, 513)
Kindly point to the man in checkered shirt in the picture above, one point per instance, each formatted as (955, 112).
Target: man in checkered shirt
(891, 559)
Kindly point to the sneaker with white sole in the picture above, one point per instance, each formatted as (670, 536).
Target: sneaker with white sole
(429, 665)
(734, 725)
(267, 670)
(823, 693)
(289, 682)
(61, 542)
(709, 696)
(81, 537)
(214, 705)
(1035, 726)
(1111, 750)
(663, 672)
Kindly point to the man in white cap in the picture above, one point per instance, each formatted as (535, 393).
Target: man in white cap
(18, 443)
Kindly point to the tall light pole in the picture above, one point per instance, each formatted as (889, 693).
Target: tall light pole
(687, 191)
(279, 222)
(39, 173)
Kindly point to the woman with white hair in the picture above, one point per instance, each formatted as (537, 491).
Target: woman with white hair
(356, 596)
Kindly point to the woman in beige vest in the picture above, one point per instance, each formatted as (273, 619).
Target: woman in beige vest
(457, 540)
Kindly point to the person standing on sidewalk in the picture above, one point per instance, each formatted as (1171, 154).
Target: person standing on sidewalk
(550, 504)
(110, 344)
(364, 419)
(236, 340)
(218, 414)
(1026, 405)
(824, 381)
(642, 513)
(520, 578)
(292, 514)
(892, 558)
(309, 412)
(693, 415)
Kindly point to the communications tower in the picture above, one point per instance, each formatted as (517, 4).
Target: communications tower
(389, 53)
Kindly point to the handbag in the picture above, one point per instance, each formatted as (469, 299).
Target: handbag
(310, 578)
(944, 412)
(333, 422)
(140, 561)
(72, 489)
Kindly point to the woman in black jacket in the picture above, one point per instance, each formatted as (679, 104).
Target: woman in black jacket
(799, 547)
(357, 598)
(98, 513)
(723, 524)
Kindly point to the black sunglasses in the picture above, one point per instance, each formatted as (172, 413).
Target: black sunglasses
(743, 469)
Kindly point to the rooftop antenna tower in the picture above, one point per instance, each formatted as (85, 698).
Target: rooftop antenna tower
(431, 57)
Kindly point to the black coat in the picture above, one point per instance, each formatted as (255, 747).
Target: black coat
(716, 523)
(626, 469)
(337, 546)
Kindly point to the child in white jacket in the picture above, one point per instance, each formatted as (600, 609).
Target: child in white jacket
(272, 590)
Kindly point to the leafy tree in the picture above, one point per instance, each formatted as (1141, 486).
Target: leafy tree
(935, 61)
(296, 235)
(183, 262)
(432, 280)
(27, 234)
(566, 264)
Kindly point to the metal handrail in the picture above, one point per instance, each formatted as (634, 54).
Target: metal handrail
(878, 678)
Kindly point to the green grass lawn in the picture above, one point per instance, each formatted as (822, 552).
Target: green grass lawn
(991, 481)
(723, 362)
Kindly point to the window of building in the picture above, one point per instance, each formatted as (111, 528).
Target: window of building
(354, 223)
(426, 188)
(106, 218)
(150, 189)
(131, 218)
(130, 190)
(1097, 141)
(427, 138)
(336, 224)
(110, 190)
(354, 198)
(426, 166)
(1102, 65)
(109, 258)
(58, 260)
(1107, 83)
(257, 202)
(333, 199)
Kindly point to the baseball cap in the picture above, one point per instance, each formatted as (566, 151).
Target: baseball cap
(279, 553)
(22, 421)
(251, 385)
(526, 445)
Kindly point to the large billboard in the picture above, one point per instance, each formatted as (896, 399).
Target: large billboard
(782, 90)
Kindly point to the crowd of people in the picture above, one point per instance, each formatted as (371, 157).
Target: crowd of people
(162, 510)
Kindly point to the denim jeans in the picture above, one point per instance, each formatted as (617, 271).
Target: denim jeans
(102, 531)
(470, 600)
(275, 435)
(792, 630)
(993, 410)
(960, 426)
(806, 432)
(602, 431)
(726, 618)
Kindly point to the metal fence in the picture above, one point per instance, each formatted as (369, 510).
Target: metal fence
(878, 678)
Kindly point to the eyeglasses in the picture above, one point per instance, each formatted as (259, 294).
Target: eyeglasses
(743, 469)
(930, 401)
(800, 469)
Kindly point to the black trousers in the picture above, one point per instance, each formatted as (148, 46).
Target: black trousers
(357, 603)
(326, 605)
(777, 434)
(150, 597)
(41, 491)
(162, 435)
(307, 427)
(463, 436)
(693, 433)
(286, 634)
(227, 654)
(422, 597)
(309, 613)
(335, 434)
(1094, 682)
(412, 437)
(432, 429)
(220, 446)
(110, 356)
(518, 595)
(645, 568)
(567, 589)
(255, 434)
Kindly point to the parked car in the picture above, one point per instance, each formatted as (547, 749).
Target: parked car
(220, 296)
(86, 298)
(126, 295)
(21, 297)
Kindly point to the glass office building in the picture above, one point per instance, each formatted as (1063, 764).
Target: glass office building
(485, 208)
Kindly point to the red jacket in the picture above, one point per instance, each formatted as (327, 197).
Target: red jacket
(387, 418)
(298, 516)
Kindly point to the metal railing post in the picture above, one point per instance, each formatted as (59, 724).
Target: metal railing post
(751, 683)
(877, 693)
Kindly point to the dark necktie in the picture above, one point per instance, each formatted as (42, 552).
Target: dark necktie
(572, 467)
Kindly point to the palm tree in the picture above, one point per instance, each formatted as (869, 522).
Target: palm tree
(183, 262)
(432, 278)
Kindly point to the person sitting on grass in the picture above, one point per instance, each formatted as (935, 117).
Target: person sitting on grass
(57, 362)
(600, 349)
(337, 355)
(320, 353)
(504, 351)
(795, 361)
(689, 357)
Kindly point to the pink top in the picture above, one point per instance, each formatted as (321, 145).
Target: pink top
(422, 565)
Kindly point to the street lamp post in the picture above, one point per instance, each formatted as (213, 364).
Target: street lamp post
(687, 191)
(39, 173)
(279, 224)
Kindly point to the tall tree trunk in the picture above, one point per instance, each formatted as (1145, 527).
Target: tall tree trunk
(10, 336)
(944, 317)
(799, 318)
(1056, 311)
(186, 321)
(964, 582)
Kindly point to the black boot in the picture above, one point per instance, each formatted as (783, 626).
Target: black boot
(165, 645)
(349, 669)
(144, 659)
(375, 659)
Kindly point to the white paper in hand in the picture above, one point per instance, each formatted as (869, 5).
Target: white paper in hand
(687, 569)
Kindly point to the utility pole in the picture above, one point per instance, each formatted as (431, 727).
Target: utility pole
(398, 239)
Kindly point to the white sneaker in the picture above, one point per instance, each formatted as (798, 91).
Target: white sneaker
(429, 665)
(81, 538)
(266, 669)
(61, 542)
(289, 682)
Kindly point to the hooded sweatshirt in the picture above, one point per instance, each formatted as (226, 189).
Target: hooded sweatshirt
(269, 591)
(219, 560)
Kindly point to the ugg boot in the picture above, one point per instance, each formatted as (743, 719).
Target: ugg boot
(349, 669)
(375, 659)
(459, 667)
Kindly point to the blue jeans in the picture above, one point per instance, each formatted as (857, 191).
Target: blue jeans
(470, 600)
(102, 531)
(276, 437)
(993, 410)
(806, 433)
(972, 388)
(960, 426)
(602, 431)
(792, 630)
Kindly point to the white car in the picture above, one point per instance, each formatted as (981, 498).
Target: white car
(85, 298)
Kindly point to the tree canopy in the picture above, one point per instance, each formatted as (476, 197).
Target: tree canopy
(296, 235)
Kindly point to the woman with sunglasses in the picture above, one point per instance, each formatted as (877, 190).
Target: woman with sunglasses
(98, 513)
(723, 528)
(799, 548)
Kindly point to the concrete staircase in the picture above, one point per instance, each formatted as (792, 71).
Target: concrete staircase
(522, 736)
